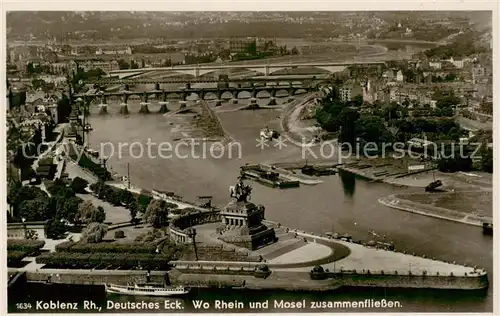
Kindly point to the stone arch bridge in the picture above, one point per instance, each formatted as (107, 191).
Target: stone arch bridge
(162, 96)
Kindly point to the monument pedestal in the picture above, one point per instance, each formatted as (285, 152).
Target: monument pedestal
(242, 225)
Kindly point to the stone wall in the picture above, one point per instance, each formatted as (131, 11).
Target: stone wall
(180, 224)
(414, 281)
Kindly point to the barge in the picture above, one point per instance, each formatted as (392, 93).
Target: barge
(318, 171)
(269, 178)
(488, 228)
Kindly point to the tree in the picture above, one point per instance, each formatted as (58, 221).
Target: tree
(99, 215)
(327, 114)
(113, 196)
(126, 197)
(35, 210)
(26, 193)
(357, 100)
(55, 229)
(447, 101)
(372, 129)
(63, 109)
(348, 117)
(94, 232)
(68, 208)
(156, 214)
(133, 208)
(85, 212)
(38, 83)
(78, 185)
(123, 64)
(13, 191)
(295, 51)
(143, 202)
(486, 159)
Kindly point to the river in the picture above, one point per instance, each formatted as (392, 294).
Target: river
(341, 204)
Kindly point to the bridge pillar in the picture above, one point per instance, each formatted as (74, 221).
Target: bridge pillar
(104, 109)
(272, 101)
(202, 95)
(267, 70)
(124, 108)
(196, 72)
(184, 95)
(157, 86)
(127, 87)
(103, 106)
(124, 98)
(163, 107)
(273, 93)
(188, 85)
(144, 108)
(291, 92)
(183, 104)
(254, 93)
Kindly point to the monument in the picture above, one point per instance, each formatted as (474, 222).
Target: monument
(242, 220)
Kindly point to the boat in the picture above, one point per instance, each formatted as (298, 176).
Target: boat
(268, 134)
(431, 187)
(488, 228)
(149, 289)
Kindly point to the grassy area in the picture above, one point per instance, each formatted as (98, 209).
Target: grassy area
(478, 203)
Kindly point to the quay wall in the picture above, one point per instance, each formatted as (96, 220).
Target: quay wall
(294, 280)
(278, 280)
(414, 281)
(94, 277)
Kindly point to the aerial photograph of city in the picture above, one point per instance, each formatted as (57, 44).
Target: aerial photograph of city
(249, 161)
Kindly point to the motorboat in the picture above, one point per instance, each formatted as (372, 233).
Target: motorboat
(268, 133)
(149, 289)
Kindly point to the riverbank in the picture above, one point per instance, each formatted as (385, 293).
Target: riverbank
(396, 202)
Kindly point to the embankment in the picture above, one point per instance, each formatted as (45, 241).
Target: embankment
(301, 281)
(395, 202)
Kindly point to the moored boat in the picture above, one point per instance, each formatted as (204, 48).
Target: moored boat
(150, 289)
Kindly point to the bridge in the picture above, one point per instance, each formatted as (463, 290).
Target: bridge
(265, 69)
(162, 96)
(252, 80)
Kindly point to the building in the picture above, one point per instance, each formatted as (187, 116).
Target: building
(114, 51)
(347, 92)
(435, 64)
(242, 45)
(399, 76)
(105, 66)
(59, 68)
